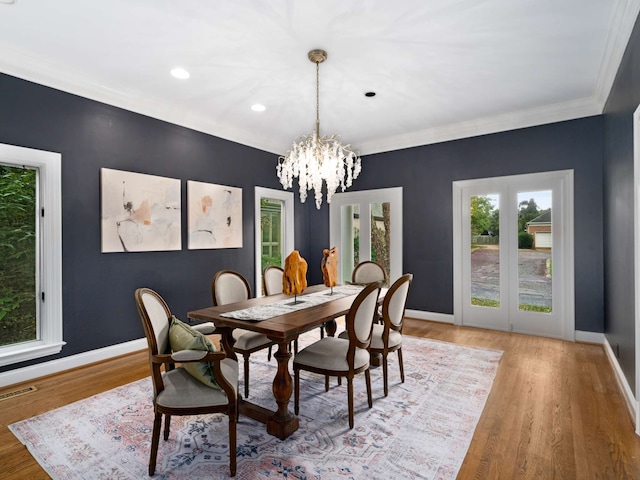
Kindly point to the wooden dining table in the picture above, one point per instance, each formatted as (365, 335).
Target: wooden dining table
(282, 330)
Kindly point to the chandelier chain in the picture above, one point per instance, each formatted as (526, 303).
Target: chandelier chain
(318, 98)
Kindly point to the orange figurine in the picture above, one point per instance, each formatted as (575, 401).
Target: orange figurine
(294, 280)
(329, 267)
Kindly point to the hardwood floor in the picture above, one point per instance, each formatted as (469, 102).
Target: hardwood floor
(555, 411)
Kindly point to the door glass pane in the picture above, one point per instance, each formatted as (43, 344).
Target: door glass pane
(534, 251)
(381, 235)
(485, 250)
(350, 231)
(271, 214)
(18, 268)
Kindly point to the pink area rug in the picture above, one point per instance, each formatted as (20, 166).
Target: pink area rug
(422, 430)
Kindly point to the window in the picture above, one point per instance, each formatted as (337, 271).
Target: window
(367, 225)
(271, 224)
(31, 247)
(274, 229)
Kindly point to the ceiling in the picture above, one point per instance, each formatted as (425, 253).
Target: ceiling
(441, 69)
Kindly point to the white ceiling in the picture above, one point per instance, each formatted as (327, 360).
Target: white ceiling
(441, 69)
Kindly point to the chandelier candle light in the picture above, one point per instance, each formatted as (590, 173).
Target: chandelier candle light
(314, 159)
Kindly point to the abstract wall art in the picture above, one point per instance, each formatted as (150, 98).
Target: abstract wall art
(214, 215)
(140, 212)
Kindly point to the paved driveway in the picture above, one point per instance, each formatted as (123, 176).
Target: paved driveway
(534, 283)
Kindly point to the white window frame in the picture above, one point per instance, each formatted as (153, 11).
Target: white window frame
(365, 198)
(49, 341)
(561, 182)
(287, 228)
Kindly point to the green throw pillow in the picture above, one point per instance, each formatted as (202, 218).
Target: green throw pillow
(183, 337)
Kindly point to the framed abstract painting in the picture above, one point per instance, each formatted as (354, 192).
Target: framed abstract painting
(214, 215)
(140, 213)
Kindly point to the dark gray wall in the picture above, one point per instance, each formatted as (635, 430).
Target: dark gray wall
(426, 174)
(98, 304)
(619, 208)
(98, 288)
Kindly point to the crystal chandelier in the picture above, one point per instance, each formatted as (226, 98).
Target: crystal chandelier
(314, 159)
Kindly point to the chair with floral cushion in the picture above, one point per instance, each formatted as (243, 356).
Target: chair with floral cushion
(205, 382)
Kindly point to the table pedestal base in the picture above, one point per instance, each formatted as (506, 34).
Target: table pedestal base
(282, 422)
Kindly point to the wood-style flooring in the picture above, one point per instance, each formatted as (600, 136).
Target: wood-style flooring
(555, 410)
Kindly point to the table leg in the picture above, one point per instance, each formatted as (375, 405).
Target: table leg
(330, 327)
(282, 423)
(227, 341)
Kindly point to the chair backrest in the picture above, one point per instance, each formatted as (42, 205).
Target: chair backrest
(272, 280)
(395, 301)
(229, 287)
(367, 272)
(359, 321)
(156, 320)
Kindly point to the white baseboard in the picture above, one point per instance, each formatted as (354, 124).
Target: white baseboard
(625, 389)
(432, 316)
(589, 337)
(54, 366)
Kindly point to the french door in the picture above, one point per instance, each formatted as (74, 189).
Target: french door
(513, 254)
(367, 225)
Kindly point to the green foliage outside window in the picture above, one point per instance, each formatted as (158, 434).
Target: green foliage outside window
(18, 253)
(271, 221)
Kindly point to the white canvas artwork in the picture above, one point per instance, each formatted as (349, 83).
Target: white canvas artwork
(215, 215)
(140, 212)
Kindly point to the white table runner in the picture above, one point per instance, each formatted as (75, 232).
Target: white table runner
(270, 310)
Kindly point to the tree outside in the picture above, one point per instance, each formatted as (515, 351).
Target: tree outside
(18, 253)
(481, 214)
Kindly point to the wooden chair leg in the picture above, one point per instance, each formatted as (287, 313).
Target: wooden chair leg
(296, 391)
(350, 400)
(269, 354)
(367, 376)
(167, 426)
(155, 439)
(401, 364)
(385, 371)
(326, 383)
(232, 445)
(246, 376)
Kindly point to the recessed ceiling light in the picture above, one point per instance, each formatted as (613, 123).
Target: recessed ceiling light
(180, 73)
(258, 107)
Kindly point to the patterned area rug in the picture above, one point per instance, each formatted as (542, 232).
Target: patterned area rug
(422, 430)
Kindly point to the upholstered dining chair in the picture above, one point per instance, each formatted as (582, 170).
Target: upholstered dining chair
(230, 287)
(272, 285)
(343, 357)
(387, 337)
(272, 280)
(180, 391)
(367, 272)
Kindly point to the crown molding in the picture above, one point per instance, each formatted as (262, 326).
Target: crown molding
(622, 23)
(499, 123)
(44, 72)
